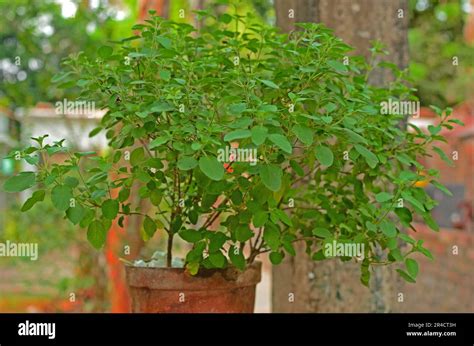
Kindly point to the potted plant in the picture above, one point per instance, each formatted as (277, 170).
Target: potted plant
(279, 137)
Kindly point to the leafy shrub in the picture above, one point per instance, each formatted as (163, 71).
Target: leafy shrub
(329, 166)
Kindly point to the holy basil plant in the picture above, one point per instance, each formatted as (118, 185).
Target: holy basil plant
(270, 139)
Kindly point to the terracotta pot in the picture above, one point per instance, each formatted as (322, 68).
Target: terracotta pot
(173, 290)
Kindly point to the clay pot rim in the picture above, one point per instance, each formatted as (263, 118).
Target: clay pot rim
(182, 269)
(169, 279)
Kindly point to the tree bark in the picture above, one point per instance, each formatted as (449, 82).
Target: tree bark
(300, 284)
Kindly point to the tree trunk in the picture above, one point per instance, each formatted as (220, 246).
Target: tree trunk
(300, 284)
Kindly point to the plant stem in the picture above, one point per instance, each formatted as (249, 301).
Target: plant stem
(169, 251)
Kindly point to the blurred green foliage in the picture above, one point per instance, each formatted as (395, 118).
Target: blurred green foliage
(435, 38)
(37, 34)
(43, 225)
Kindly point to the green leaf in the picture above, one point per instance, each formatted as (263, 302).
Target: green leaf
(237, 108)
(192, 268)
(71, 182)
(164, 41)
(282, 216)
(149, 226)
(388, 228)
(158, 142)
(260, 218)
(327, 119)
(236, 197)
(406, 238)
(236, 257)
(369, 156)
(98, 194)
(38, 196)
(396, 254)
(124, 194)
(32, 159)
(370, 226)
(271, 176)
(243, 233)
(405, 176)
(322, 232)
(84, 153)
(20, 182)
(354, 137)
(237, 134)
(75, 214)
(212, 168)
(443, 156)
(186, 163)
(95, 131)
(217, 259)
(365, 274)
(143, 114)
(426, 252)
(155, 197)
(269, 83)
(160, 107)
(337, 65)
(405, 276)
(54, 150)
(383, 197)
(196, 254)
(324, 155)
(225, 18)
(288, 246)
(165, 75)
(276, 257)
(61, 196)
(271, 235)
(216, 241)
(430, 222)
(96, 234)
(456, 121)
(434, 130)
(412, 267)
(196, 146)
(110, 209)
(281, 142)
(193, 216)
(137, 156)
(414, 202)
(392, 243)
(259, 134)
(304, 134)
(190, 235)
(176, 224)
(318, 256)
(297, 168)
(406, 160)
(441, 188)
(405, 215)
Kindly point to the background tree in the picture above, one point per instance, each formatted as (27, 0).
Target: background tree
(442, 51)
(36, 35)
(332, 286)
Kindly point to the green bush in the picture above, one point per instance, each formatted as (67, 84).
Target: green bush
(328, 165)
